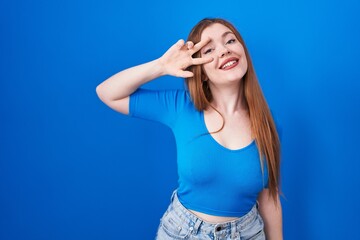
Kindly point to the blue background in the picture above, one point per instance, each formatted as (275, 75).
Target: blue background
(71, 168)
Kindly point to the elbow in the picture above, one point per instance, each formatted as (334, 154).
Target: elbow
(104, 94)
(100, 92)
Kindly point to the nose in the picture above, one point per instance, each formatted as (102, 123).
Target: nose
(224, 51)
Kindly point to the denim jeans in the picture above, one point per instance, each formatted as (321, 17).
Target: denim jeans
(179, 223)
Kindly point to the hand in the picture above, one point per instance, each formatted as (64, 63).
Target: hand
(179, 57)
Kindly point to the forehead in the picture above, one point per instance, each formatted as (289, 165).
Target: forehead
(215, 30)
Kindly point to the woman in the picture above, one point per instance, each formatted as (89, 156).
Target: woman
(228, 150)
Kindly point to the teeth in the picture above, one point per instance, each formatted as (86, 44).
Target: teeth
(228, 64)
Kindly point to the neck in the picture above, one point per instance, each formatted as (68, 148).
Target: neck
(228, 99)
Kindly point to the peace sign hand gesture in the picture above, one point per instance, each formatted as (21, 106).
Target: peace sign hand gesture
(179, 57)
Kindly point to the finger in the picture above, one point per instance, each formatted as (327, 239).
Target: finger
(200, 45)
(185, 74)
(198, 61)
(189, 45)
(179, 44)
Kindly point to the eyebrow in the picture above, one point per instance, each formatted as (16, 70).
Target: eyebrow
(222, 35)
(226, 33)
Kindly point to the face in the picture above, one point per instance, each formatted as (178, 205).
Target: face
(229, 64)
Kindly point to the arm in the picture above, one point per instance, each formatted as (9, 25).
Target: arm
(271, 213)
(115, 91)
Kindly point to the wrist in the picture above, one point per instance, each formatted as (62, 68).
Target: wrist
(160, 67)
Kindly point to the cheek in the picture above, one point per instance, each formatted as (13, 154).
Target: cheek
(245, 64)
(206, 68)
(243, 58)
(238, 48)
(209, 67)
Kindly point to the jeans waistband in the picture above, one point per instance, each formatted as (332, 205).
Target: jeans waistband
(235, 225)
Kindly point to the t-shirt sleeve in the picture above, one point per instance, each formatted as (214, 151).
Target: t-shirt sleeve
(159, 106)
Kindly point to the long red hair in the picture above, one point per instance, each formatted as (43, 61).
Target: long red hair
(262, 124)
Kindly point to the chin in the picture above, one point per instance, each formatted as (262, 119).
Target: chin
(229, 78)
(236, 78)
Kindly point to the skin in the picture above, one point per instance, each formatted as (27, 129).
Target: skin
(271, 213)
(216, 46)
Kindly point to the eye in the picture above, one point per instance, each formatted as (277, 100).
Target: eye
(207, 51)
(230, 41)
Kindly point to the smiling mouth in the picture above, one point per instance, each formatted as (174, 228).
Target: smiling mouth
(230, 64)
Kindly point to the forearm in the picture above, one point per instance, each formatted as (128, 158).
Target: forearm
(115, 91)
(126, 82)
(271, 212)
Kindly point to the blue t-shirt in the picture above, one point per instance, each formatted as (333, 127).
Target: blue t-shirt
(212, 179)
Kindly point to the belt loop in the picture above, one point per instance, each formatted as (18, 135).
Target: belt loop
(233, 230)
(197, 224)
